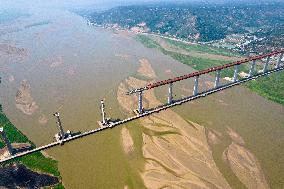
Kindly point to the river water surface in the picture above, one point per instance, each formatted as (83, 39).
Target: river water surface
(72, 66)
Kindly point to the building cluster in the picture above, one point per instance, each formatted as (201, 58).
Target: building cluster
(237, 42)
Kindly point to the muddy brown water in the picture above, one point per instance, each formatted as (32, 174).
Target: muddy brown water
(71, 66)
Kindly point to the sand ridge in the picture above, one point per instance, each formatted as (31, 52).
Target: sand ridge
(235, 136)
(146, 69)
(42, 119)
(245, 166)
(127, 141)
(176, 151)
(243, 163)
(213, 137)
(24, 100)
(4, 153)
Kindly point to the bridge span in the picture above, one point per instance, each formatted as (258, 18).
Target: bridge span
(106, 123)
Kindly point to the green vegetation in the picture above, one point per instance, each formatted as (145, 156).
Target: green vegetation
(201, 48)
(148, 42)
(244, 27)
(13, 134)
(195, 62)
(269, 87)
(59, 186)
(36, 161)
(197, 21)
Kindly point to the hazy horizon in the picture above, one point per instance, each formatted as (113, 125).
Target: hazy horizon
(35, 4)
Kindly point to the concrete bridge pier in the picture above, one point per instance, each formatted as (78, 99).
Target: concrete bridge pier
(236, 73)
(104, 121)
(195, 89)
(140, 102)
(217, 79)
(279, 61)
(59, 125)
(6, 141)
(252, 66)
(170, 94)
(266, 64)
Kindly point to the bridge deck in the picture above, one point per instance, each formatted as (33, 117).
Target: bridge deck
(146, 113)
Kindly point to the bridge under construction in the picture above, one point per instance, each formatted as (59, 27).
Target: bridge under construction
(259, 66)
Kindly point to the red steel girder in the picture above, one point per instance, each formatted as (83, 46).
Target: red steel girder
(213, 69)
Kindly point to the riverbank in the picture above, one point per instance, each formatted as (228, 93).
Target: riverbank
(37, 165)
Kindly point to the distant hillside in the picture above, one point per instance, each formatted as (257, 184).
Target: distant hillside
(202, 23)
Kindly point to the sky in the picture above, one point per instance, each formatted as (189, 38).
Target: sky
(64, 3)
(30, 4)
